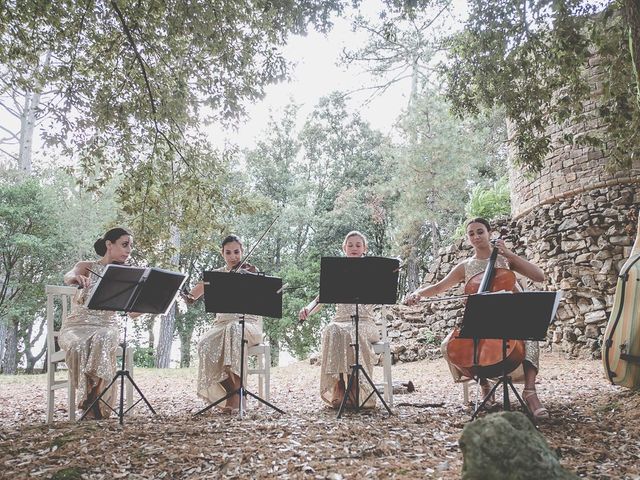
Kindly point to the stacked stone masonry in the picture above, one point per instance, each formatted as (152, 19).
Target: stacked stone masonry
(576, 219)
(580, 243)
(570, 168)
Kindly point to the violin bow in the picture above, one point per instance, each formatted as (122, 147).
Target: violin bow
(242, 260)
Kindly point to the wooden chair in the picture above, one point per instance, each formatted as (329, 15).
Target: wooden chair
(383, 347)
(262, 367)
(64, 295)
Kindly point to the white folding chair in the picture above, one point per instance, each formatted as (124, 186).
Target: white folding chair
(262, 352)
(64, 295)
(383, 347)
(262, 367)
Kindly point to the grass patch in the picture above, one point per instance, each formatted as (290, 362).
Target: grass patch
(62, 440)
(69, 473)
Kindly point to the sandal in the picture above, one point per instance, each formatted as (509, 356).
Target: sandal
(229, 410)
(538, 413)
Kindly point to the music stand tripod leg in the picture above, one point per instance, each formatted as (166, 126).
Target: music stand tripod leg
(485, 400)
(355, 375)
(241, 391)
(120, 374)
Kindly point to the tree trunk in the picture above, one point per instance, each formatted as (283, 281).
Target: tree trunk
(33, 359)
(151, 337)
(4, 332)
(28, 122)
(10, 360)
(632, 11)
(185, 348)
(29, 341)
(413, 271)
(275, 352)
(168, 322)
(165, 339)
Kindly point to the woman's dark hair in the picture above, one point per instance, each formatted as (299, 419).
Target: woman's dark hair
(479, 220)
(112, 235)
(231, 238)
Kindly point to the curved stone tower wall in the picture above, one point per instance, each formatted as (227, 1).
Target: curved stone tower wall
(579, 242)
(575, 219)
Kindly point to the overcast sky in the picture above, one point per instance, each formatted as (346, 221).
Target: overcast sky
(315, 74)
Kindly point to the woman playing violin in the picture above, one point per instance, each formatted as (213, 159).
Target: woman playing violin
(90, 337)
(478, 235)
(338, 354)
(219, 348)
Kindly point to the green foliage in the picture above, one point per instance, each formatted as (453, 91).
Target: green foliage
(489, 202)
(187, 321)
(437, 160)
(41, 237)
(429, 338)
(321, 182)
(31, 245)
(129, 84)
(143, 357)
(531, 59)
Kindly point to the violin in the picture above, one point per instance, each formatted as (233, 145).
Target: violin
(240, 267)
(245, 267)
(484, 357)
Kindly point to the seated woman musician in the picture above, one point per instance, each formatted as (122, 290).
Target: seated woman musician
(219, 348)
(478, 233)
(90, 337)
(338, 354)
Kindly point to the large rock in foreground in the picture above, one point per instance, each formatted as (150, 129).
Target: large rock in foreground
(506, 446)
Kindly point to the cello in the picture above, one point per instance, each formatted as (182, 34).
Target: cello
(484, 357)
(621, 346)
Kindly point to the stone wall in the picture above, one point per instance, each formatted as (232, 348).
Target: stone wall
(580, 243)
(575, 219)
(570, 169)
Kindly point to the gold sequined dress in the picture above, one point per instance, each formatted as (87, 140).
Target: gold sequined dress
(338, 355)
(472, 267)
(90, 339)
(219, 351)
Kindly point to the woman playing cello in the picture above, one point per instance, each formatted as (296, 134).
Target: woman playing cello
(478, 235)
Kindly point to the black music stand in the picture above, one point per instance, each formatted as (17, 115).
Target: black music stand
(132, 289)
(508, 316)
(359, 281)
(245, 294)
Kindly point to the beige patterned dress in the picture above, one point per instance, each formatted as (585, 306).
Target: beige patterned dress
(90, 339)
(338, 355)
(472, 267)
(219, 351)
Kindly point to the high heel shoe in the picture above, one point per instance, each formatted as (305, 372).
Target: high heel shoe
(538, 413)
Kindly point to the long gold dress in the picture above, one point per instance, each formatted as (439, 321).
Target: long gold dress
(472, 267)
(219, 351)
(338, 355)
(90, 340)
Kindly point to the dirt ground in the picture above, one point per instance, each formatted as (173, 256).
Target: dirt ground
(594, 428)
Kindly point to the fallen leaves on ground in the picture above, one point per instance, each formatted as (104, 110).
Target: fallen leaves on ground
(594, 428)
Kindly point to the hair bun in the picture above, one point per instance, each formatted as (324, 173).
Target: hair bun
(100, 246)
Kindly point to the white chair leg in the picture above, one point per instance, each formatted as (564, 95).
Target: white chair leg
(388, 389)
(260, 360)
(267, 375)
(129, 388)
(465, 392)
(50, 393)
(72, 399)
(51, 400)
